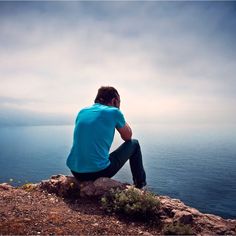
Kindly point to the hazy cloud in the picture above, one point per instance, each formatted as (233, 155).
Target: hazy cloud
(171, 61)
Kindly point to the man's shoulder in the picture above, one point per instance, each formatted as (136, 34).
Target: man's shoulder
(111, 109)
(104, 107)
(86, 108)
(101, 108)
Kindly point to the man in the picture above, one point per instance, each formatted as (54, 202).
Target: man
(94, 131)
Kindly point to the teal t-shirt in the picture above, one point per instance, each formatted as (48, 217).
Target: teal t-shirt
(93, 135)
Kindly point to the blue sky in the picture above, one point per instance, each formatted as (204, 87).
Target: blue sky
(172, 62)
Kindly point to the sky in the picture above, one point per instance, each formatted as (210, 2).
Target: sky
(172, 62)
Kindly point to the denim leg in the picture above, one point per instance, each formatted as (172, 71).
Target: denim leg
(129, 150)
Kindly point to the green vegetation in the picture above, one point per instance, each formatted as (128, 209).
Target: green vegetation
(132, 202)
(177, 229)
(29, 187)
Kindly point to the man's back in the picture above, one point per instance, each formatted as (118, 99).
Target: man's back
(93, 136)
(89, 158)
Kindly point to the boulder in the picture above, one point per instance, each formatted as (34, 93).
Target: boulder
(5, 186)
(69, 187)
(173, 211)
(99, 187)
(61, 185)
(183, 217)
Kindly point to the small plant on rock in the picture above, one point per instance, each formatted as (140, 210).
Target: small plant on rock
(29, 187)
(132, 202)
(177, 229)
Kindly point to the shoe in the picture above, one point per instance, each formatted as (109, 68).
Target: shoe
(140, 185)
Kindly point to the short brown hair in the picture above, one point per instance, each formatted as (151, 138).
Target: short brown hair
(106, 94)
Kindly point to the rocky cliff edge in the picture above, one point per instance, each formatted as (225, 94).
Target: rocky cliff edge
(62, 205)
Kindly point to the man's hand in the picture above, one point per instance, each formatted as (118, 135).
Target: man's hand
(125, 132)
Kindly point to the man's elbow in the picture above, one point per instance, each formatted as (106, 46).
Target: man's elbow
(127, 137)
(125, 132)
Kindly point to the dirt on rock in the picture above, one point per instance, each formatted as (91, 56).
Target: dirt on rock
(34, 212)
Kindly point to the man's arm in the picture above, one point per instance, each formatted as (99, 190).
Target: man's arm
(125, 132)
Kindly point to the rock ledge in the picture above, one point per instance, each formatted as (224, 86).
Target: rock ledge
(172, 211)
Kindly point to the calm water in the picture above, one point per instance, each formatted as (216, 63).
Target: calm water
(196, 164)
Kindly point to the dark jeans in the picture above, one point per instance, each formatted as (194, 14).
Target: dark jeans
(129, 150)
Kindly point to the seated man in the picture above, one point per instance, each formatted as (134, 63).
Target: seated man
(94, 131)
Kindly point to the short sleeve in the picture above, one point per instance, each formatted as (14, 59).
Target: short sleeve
(120, 120)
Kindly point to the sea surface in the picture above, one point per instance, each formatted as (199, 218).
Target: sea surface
(196, 164)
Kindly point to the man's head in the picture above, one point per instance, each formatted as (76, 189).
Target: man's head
(108, 96)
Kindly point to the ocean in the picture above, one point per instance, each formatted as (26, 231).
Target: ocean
(193, 163)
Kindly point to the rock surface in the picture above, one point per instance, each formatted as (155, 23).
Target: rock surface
(173, 210)
(69, 187)
(60, 189)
